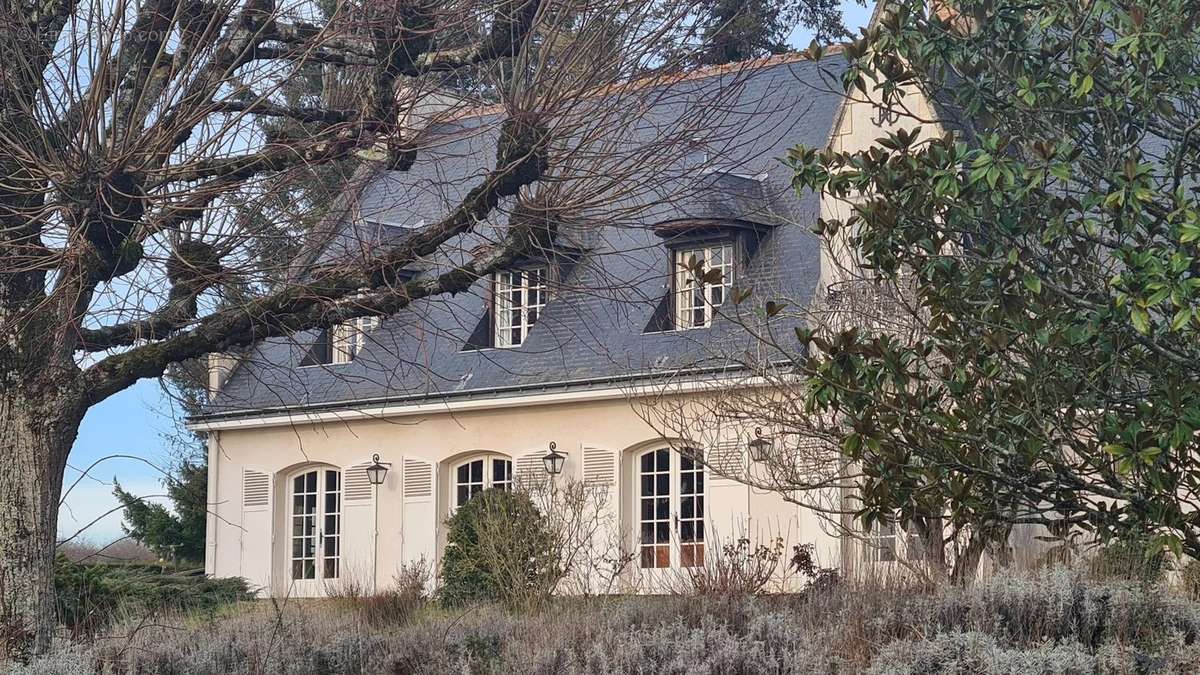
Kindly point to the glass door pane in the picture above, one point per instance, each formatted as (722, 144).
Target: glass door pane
(304, 526)
(316, 525)
(468, 481)
(332, 526)
(691, 512)
(654, 512)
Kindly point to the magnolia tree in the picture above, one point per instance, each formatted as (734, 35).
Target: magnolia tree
(1047, 241)
(146, 215)
(1023, 284)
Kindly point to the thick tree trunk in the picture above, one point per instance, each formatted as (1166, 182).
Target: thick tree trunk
(36, 434)
(966, 564)
(929, 538)
(981, 539)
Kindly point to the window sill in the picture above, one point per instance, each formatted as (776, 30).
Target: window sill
(668, 331)
(493, 349)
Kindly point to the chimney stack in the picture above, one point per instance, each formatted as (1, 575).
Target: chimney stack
(220, 367)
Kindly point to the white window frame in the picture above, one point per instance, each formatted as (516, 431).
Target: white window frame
(518, 298)
(879, 543)
(488, 477)
(695, 299)
(669, 490)
(882, 544)
(347, 339)
(324, 534)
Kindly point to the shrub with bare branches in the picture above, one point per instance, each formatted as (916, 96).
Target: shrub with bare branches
(736, 568)
(400, 602)
(146, 218)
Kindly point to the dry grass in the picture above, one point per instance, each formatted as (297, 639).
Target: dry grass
(1059, 621)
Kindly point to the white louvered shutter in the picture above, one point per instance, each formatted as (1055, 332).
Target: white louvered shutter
(256, 490)
(599, 466)
(529, 470)
(727, 462)
(358, 524)
(727, 498)
(257, 527)
(356, 486)
(419, 520)
(418, 480)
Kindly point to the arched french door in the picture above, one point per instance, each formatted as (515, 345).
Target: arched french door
(315, 527)
(670, 511)
(478, 474)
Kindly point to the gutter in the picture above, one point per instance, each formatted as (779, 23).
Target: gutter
(643, 384)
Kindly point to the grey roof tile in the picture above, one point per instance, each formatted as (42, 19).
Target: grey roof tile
(593, 329)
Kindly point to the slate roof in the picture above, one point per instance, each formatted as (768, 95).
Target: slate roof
(593, 332)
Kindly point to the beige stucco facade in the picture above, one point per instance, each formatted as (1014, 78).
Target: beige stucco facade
(858, 127)
(403, 521)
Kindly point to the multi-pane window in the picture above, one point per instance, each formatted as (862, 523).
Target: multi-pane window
(468, 481)
(703, 277)
(670, 510)
(691, 512)
(316, 518)
(475, 476)
(520, 296)
(655, 498)
(347, 339)
(879, 544)
(502, 473)
(305, 497)
(882, 542)
(331, 529)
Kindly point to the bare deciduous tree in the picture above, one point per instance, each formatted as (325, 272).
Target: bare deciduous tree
(132, 150)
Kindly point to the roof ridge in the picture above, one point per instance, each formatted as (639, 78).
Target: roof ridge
(667, 79)
(763, 62)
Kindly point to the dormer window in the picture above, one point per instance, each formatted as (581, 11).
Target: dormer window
(342, 342)
(518, 299)
(703, 275)
(348, 339)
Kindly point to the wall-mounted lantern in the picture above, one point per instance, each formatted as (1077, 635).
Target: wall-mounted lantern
(761, 446)
(377, 471)
(553, 461)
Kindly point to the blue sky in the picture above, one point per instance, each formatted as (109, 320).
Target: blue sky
(854, 16)
(135, 421)
(132, 422)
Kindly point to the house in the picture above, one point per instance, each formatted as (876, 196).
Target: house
(465, 393)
